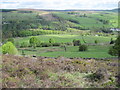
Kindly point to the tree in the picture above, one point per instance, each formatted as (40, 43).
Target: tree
(115, 50)
(33, 41)
(82, 48)
(9, 48)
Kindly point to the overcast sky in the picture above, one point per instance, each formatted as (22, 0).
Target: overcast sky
(59, 4)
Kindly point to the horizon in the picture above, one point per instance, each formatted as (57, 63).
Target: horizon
(57, 9)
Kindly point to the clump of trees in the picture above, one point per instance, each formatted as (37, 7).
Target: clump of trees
(115, 50)
(25, 33)
(9, 48)
(83, 48)
(33, 42)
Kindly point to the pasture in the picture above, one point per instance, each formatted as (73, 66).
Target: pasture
(72, 52)
(62, 38)
(94, 51)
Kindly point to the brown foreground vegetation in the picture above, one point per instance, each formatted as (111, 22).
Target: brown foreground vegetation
(41, 72)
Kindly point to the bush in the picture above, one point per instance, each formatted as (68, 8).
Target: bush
(82, 48)
(46, 44)
(9, 48)
(96, 41)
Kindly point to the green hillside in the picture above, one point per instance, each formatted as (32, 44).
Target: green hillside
(17, 21)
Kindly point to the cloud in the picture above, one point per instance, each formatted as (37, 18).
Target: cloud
(61, 4)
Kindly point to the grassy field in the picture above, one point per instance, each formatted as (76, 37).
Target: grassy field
(91, 19)
(97, 51)
(72, 51)
(68, 38)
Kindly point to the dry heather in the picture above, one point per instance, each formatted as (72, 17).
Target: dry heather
(41, 72)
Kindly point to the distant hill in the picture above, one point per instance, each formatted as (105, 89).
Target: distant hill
(116, 10)
(16, 20)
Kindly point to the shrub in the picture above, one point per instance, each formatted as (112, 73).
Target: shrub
(96, 41)
(82, 48)
(9, 48)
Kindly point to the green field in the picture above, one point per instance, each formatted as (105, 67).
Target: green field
(91, 20)
(94, 51)
(72, 51)
(68, 38)
(63, 27)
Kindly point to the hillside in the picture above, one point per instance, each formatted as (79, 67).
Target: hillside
(42, 72)
(59, 48)
(23, 21)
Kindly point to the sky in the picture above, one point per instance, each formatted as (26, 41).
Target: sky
(59, 4)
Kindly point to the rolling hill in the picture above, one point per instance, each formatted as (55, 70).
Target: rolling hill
(17, 21)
